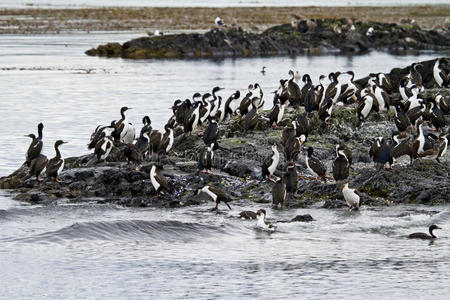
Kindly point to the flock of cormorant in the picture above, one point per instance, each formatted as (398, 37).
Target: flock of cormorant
(209, 110)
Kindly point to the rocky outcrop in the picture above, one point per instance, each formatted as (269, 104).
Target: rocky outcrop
(237, 169)
(312, 36)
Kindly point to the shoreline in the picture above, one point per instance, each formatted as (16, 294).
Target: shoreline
(255, 19)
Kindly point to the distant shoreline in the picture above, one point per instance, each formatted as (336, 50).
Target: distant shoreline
(56, 20)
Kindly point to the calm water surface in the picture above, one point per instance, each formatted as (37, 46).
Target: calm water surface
(99, 251)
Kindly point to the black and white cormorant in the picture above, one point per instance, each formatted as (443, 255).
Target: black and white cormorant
(205, 158)
(443, 103)
(124, 131)
(56, 164)
(158, 180)
(424, 236)
(418, 143)
(279, 193)
(276, 114)
(262, 223)
(341, 165)
(333, 90)
(205, 109)
(216, 194)
(365, 107)
(382, 98)
(167, 139)
(35, 148)
(232, 104)
(293, 146)
(219, 22)
(325, 111)
(141, 144)
(314, 165)
(244, 105)
(211, 132)
(192, 118)
(439, 75)
(104, 145)
(270, 163)
(351, 197)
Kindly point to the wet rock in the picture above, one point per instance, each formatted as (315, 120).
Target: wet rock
(306, 37)
(303, 218)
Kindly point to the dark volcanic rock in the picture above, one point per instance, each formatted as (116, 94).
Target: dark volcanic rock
(326, 35)
(303, 218)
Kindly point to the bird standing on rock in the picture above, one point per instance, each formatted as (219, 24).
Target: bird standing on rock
(270, 164)
(35, 148)
(314, 165)
(351, 196)
(159, 182)
(279, 193)
(56, 164)
(205, 158)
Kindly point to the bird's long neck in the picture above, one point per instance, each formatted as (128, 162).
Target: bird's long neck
(122, 113)
(431, 232)
(40, 133)
(58, 154)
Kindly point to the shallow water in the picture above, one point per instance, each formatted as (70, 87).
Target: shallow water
(49, 79)
(206, 3)
(92, 251)
(101, 251)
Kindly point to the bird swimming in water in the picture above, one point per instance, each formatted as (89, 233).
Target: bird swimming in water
(351, 196)
(261, 221)
(247, 215)
(424, 236)
(35, 148)
(263, 71)
(215, 193)
(56, 164)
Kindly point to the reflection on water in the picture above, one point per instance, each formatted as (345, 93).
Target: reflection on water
(47, 78)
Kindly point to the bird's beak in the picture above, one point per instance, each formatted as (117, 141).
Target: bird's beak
(65, 142)
(437, 227)
(26, 135)
(221, 89)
